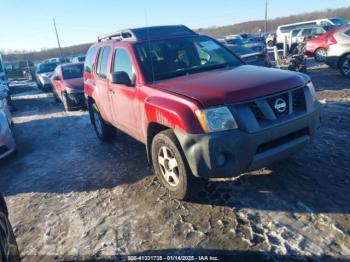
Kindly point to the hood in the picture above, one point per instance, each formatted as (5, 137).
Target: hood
(77, 83)
(233, 85)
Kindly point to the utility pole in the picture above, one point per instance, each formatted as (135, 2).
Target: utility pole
(58, 39)
(265, 16)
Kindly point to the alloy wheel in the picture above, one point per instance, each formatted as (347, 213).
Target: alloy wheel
(168, 166)
(346, 66)
(321, 55)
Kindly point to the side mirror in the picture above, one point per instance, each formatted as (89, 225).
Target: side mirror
(56, 78)
(121, 78)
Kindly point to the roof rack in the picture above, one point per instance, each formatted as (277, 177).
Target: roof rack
(148, 33)
(119, 35)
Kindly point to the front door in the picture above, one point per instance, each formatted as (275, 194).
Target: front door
(123, 97)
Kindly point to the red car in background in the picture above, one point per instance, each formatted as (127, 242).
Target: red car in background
(317, 47)
(68, 85)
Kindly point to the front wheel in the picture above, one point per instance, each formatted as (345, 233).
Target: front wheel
(104, 131)
(171, 166)
(345, 66)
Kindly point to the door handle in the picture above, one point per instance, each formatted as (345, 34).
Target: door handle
(111, 91)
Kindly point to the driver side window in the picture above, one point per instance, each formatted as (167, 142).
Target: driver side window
(122, 63)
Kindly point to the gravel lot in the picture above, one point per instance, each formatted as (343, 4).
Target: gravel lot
(70, 196)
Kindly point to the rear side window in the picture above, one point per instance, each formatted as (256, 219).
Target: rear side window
(306, 32)
(102, 63)
(122, 62)
(89, 59)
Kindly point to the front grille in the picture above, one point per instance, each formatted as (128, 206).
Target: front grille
(298, 98)
(272, 101)
(3, 150)
(257, 112)
(277, 107)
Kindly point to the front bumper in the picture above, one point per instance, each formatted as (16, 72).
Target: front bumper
(231, 153)
(75, 99)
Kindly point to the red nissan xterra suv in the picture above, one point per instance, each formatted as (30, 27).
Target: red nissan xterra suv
(200, 111)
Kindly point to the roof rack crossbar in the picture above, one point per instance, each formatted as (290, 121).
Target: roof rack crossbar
(119, 35)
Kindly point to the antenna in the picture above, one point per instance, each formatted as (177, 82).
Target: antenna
(58, 39)
(266, 16)
(149, 44)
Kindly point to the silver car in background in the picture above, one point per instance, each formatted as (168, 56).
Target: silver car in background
(7, 141)
(43, 75)
(338, 53)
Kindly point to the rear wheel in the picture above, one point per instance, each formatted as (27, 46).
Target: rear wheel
(345, 65)
(320, 55)
(171, 166)
(104, 131)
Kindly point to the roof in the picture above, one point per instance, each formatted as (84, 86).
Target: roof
(148, 33)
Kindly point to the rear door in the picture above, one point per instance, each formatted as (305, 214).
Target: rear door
(123, 98)
(100, 83)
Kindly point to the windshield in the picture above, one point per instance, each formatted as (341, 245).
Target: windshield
(179, 56)
(339, 21)
(46, 68)
(240, 50)
(73, 71)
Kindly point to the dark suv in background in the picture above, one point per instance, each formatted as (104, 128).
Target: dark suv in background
(23, 69)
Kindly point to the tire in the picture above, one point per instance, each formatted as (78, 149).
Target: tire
(171, 166)
(344, 65)
(320, 55)
(8, 245)
(65, 102)
(104, 131)
(39, 85)
(55, 96)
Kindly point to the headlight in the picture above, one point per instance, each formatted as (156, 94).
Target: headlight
(311, 87)
(216, 119)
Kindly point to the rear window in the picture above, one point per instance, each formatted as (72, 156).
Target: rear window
(288, 28)
(89, 59)
(46, 68)
(102, 63)
(73, 71)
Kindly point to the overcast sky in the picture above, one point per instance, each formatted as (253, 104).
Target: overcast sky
(28, 24)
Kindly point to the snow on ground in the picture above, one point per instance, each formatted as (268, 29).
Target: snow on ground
(71, 196)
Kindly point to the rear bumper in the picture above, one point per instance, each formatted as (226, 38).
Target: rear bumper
(231, 153)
